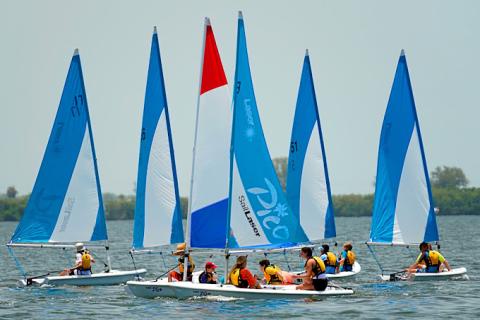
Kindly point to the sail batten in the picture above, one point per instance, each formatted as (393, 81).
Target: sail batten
(67, 191)
(403, 206)
(308, 185)
(259, 214)
(158, 219)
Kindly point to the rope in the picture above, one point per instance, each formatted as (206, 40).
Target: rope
(163, 260)
(17, 262)
(286, 260)
(376, 259)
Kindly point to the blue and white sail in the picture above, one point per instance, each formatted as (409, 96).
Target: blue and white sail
(158, 219)
(66, 204)
(403, 210)
(259, 212)
(308, 185)
(211, 157)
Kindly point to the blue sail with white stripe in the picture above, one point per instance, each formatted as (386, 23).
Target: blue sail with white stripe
(158, 219)
(403, 210)
(66, 204)
(259, 215)
(308, 185)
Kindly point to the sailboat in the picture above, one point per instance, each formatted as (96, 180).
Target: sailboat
(158, 216)
(257, 215)
(403, 212)
(308, 185)
(66, 203)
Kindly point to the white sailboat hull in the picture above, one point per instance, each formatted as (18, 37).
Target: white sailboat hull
(113, 277)
(183, 290)
(457, 273)
(356, 268)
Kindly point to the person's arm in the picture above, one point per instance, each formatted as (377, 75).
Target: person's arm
(252, 281)
(441, 259)
(92, 259)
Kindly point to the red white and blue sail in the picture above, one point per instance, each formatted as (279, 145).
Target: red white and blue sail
(211, 156)
(158, 219)
(259, 212)
(403, 210)
(66, 205)
(308, 185)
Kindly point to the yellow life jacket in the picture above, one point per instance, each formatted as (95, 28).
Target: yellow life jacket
(271, 274)
(433, 258)
(236, 279)
(86, 261)
(331, 259)
(191, 265)
(319, 266)
(350, 259)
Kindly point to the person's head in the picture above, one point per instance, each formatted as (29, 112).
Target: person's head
(347, 246)
(325, 248)
(423, 246)
(241, 262)
(210, 266)
(264, 263)
(306, 252)
(180, 249)
(79, 246)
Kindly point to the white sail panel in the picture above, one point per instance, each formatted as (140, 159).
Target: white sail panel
(313, 190)
(78, 215)
(413, 204)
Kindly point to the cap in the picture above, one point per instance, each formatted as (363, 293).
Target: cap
(79, 246)
(180, 249)
(210, 265)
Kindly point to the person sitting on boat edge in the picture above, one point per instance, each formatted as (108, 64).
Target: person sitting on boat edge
(208, 275)
(272, 274)
(347, 258)
(241, 277)
(329, 258)
(314, 277)
(83, 262)
(431, 258)
(178, 275)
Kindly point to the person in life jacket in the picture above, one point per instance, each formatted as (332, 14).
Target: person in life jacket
(314, 277)
(241, 277)
(208, 275)
(83, 262)
(347, 258)
(432, 260)
(329, 258)
(272, 274)
(178, 275)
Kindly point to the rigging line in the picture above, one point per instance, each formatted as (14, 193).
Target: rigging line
(163, 260)
(286, 260)
(376, 259)
(17, 262)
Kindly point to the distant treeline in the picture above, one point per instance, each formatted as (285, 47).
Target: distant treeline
(449, 187)
(465, 201)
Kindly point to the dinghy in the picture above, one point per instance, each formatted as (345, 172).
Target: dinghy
(308, 184)
(403, 213)
(158, 216)
(66, 203)
(257, 215)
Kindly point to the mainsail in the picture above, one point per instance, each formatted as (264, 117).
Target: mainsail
(259, 212)
(66, 204)
(308, 186)
(210, 168)
(403, 208)
(158, 219)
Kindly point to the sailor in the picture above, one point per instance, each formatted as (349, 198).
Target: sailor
(347, 258)
(208, 275)
(314, 277)
(241, 277)
(83, 262)
(272, 274)
(178, 275)
(431, 259)
(329, 259)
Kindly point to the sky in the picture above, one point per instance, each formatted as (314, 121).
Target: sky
(354, 48)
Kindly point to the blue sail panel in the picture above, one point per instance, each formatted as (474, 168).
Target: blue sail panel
(308, 185)
(158, 219)
(259, 212)
(403, 206)
(67, 192)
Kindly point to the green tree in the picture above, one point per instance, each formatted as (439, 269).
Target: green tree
(448, 178)
(11, 192)
(281, 167)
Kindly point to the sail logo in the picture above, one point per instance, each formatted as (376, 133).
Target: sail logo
(248, 215)
(272, 213)
(250, 131)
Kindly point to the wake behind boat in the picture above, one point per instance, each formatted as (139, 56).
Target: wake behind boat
(66, 204)
(403, 213)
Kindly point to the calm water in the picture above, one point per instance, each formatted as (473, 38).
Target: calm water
(373, 299)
